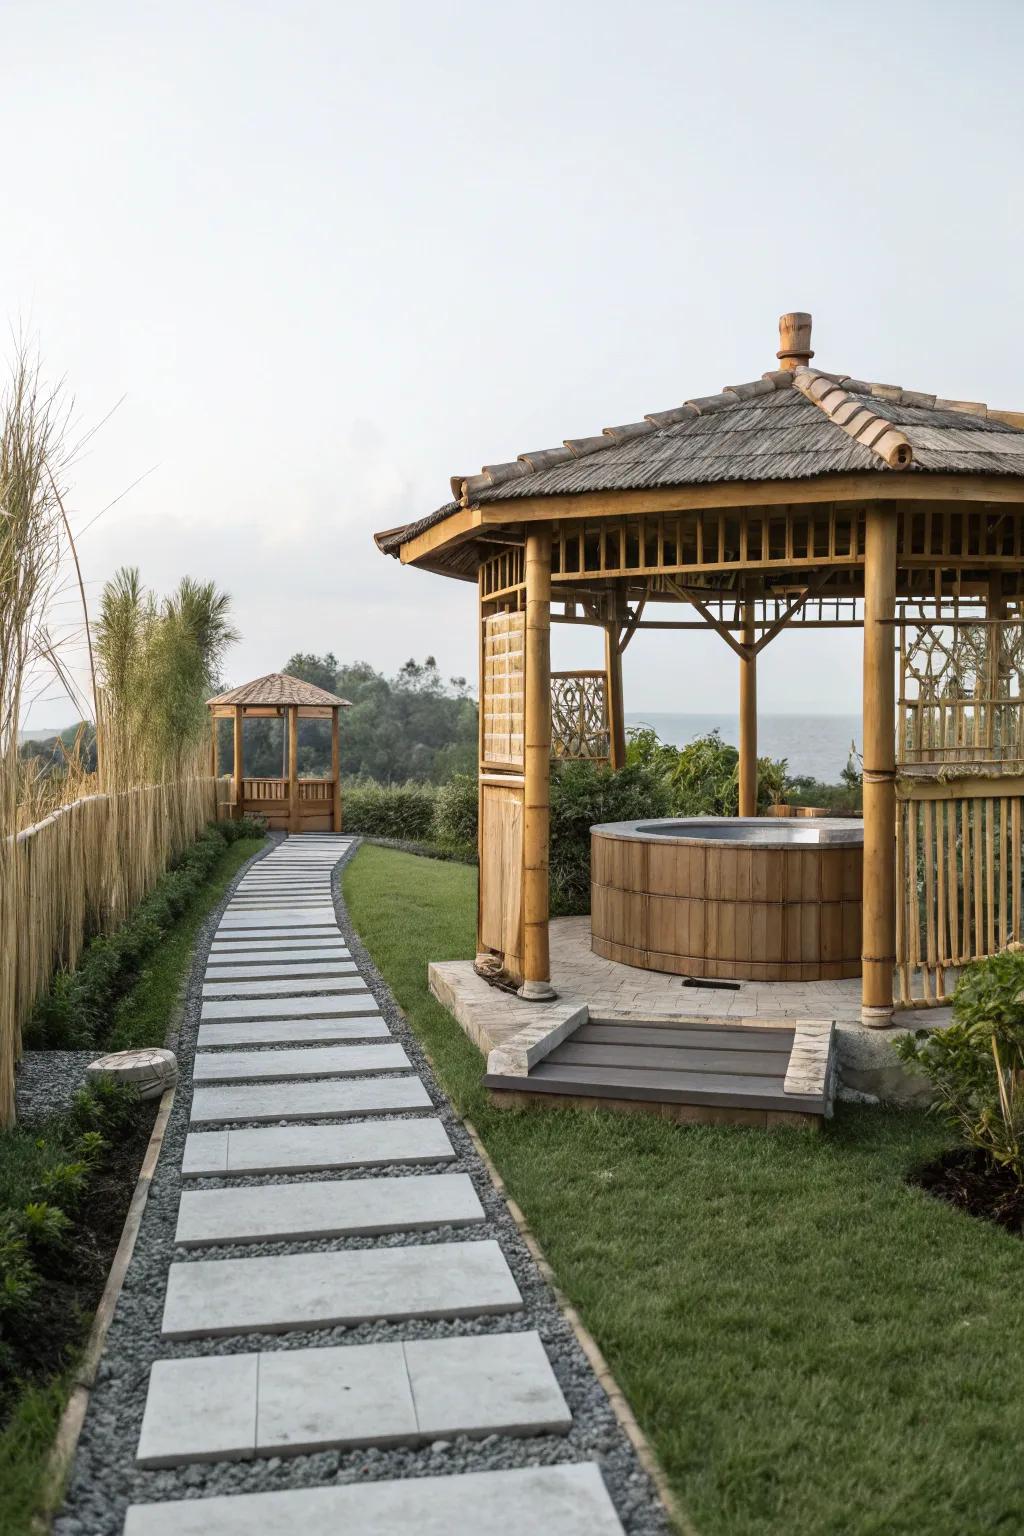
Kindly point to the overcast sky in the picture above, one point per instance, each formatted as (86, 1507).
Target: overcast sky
(333, 253)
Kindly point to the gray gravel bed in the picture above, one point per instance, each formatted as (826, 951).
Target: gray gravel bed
(47, 1081)
(104, 1478)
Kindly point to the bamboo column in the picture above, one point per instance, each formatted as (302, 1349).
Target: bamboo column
(879, 893)
(336, 767)
(293, 768)
(213, 745)
(613, 697)
(748, 716)
(993, 638)
(238, 766)
(537, 768)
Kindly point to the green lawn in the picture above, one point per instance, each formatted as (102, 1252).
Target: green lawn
(813, 1347)
(34, 1382)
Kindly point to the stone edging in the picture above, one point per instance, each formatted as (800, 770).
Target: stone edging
(616, 1397)
(810, 1060)
(533, 1042)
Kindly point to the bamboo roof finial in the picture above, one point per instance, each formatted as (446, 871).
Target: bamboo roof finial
(794, 340)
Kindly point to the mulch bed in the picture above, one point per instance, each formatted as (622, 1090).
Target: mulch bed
(74, 1278)
(967, 1179)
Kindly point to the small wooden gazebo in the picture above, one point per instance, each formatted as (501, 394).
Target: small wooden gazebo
(290, 804)
(798, 500)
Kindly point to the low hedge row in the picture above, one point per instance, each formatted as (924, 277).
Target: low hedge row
(79, 1006)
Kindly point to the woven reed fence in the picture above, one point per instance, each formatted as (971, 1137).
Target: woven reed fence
(79, 872)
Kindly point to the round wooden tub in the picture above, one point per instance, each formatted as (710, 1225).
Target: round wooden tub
(745, 898)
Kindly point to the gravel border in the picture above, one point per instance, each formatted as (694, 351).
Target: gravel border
(104, 1478)
(47, 1081)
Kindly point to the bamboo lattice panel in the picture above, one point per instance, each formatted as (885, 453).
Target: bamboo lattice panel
(579, 716)
(504, 684)
(958, 881)
(962, 693)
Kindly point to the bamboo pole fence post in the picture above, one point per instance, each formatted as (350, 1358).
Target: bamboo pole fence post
(294, 824)
(748, 716)
(239, 763)
(336, 768)
(537, 767)
(614, 697)
(879, 892)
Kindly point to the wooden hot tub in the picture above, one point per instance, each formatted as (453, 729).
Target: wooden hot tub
(742, 898)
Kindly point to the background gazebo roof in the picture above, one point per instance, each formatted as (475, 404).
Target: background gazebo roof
(279, 688)
(787, 425)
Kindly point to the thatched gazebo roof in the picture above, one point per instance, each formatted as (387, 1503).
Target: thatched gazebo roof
(787, 425)
(278, 689)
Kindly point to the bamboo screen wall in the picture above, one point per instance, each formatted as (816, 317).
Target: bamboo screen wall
(504, 684)
(79, 872)
(579, 716)
(960, 800)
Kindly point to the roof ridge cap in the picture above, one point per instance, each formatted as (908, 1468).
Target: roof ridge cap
(849, 412)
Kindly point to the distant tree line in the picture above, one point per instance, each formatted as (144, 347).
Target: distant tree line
(413, 726)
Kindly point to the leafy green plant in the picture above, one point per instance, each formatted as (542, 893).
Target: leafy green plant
(455, 813)
(976, 1064)
(390, 810)
(44, 1224)
(582, 795)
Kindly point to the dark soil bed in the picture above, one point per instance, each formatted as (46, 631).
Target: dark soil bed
(73, 1279)
(967, 1179)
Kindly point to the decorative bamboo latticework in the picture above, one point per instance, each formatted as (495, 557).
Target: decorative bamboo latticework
(79, 872)
(960, 799)
(579, 716)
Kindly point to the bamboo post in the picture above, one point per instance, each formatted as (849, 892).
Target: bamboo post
(879, 893)
(336, 767)
(993, 610)
(614, 697)
(537, 768)
(213, 745)
(748, 716)
(238, 764)
(293, 768)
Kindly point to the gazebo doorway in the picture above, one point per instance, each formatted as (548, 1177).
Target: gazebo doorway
(289, 803)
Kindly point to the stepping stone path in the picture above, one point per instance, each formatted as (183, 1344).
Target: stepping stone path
(291, 1036)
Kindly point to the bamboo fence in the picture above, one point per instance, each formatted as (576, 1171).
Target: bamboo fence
(79, 872)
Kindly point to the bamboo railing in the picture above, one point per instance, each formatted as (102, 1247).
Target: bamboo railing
(79, 872)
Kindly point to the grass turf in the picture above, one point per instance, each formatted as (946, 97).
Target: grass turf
(811, 1344)
(34, 1406)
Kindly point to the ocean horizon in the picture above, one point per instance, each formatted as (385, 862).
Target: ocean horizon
(817, 745)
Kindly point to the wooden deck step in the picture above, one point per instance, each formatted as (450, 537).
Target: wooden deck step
(741, 1074)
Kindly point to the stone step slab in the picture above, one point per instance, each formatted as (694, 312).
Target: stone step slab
(276, 932)
(567, 1500)
(358, 1000)
(279, 917)
(208, 1298)
(347, 980)
(280, 970)
(227, 957)
(305, 1400)
(315, 1061)
(315, 1148)
(332, 1099)
(270, 1213)
(365, 1026)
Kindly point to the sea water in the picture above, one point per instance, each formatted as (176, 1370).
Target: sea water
(815, 745)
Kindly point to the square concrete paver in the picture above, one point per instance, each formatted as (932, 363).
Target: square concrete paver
(330, 1100)
(339, 1208)
(313, 1061)
(312, 1398)
(567, 1500)
(314, 1148)
(209, 1297)
(493, 1382)
(363, 1025)
(199, 1410)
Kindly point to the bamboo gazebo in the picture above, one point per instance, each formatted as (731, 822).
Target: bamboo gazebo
(801, 500)
(289, 803)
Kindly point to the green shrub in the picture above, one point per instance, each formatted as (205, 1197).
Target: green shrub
(79, 1006)
(703, 776)
(390, 810)
(582, 795)
(976, 1065)
(455, 814)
